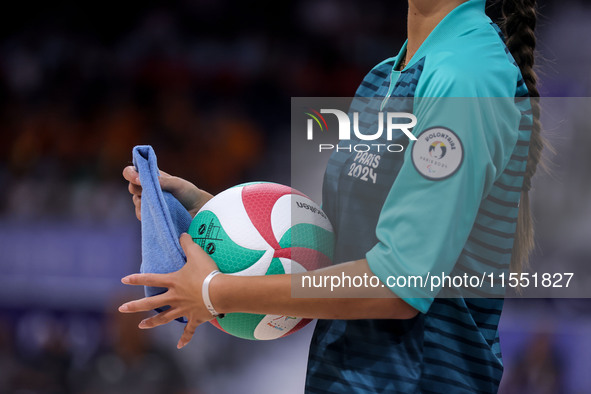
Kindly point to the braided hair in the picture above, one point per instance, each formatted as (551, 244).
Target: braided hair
(519, 22)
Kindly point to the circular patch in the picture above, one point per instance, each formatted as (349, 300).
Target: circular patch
(437, 153)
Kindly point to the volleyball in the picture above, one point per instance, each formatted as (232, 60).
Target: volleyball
(263, 229)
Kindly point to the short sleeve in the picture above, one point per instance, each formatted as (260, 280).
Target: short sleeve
(462, 145)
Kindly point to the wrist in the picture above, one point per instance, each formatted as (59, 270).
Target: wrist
(202, 197)
(218, 293)
(205, 294)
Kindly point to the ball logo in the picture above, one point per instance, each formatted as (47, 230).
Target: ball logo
(210, 248)
(437, 153)
(202, 229)
(281, 322)
(437, 150)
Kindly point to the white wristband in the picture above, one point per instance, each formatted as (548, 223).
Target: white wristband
(205, 294)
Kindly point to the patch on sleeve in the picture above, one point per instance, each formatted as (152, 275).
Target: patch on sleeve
(437, 153)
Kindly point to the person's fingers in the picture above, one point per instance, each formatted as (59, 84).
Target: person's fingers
(190, 247)
(154, 280)
(187, 333)
(169, 183)
(145, 304)
(137, 202)
(161, 318)
(134, 189)
(131, 175)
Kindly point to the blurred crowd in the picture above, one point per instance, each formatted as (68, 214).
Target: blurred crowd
(207, 83)
(69, 353)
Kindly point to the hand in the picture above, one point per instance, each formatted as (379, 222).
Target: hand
(183, 295)
(189, 195)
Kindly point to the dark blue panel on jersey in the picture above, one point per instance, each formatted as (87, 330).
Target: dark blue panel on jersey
(346, 354)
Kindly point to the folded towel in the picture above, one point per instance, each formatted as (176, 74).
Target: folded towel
(164, 219)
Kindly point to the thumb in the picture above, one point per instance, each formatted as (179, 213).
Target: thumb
(189, 247)
(196, 255)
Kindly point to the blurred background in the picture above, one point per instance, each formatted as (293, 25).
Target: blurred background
(208, 83)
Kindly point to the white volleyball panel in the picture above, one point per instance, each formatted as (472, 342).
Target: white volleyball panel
(292, 267)
(304, 210)
(229, 209)
(274, 326)
(281, 216)
(299, 209)
(260, 267)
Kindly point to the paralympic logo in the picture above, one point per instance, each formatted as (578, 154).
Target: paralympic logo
(437, 150)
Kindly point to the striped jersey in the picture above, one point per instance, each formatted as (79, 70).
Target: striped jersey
(446, 203)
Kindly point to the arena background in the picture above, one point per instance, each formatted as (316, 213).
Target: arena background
(208, 84)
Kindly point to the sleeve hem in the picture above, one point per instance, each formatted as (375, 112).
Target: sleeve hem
(413, 296)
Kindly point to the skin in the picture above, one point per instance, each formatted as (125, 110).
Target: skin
(246, 294)
(188, 194)
(423, 16)
(251, 294)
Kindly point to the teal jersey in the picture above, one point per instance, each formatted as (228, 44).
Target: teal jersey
(447, 203)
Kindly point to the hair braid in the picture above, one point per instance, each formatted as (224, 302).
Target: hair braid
(518, 26)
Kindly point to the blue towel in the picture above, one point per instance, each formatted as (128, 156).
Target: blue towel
(164, 219)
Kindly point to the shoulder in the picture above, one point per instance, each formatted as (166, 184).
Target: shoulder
(475, 64)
